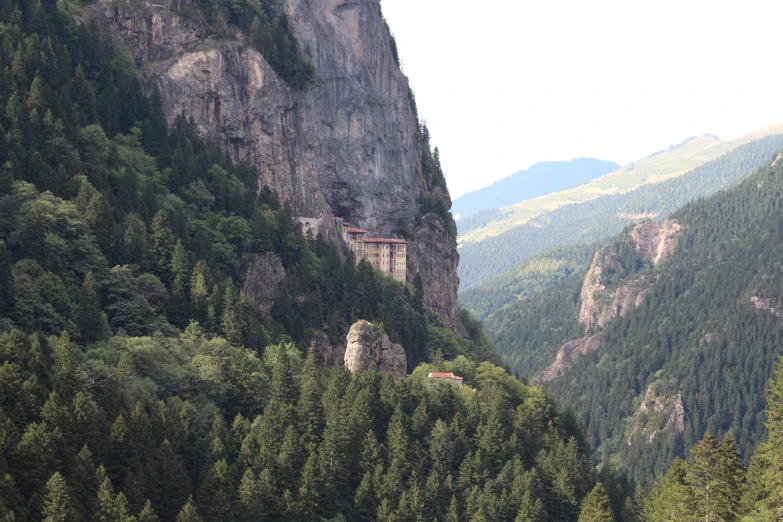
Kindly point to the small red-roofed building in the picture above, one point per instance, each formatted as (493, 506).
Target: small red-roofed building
(446, 377)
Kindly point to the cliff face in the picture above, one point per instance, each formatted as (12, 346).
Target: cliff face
(368, 346)
(657, 414)
(348, 145)
(569, 353)
(600, 305)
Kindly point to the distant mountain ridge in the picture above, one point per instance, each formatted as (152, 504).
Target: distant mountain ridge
(567, 218)
(542, 178)
(655, 168)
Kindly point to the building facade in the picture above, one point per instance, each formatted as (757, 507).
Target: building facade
(388, 256)
(446, 377)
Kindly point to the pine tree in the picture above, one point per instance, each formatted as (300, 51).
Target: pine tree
(715, 478)
(596, 506)
(188, 513)
(310, 487)
(57, 506)
(771, 452)
(215, 494)
(310, 408)
(6, 278)
(147, 514)
(89, 318)
(162, 245)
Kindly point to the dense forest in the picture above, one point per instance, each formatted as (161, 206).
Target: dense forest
(602, 218)
(138, 382)
(526, 279)
(708, 330)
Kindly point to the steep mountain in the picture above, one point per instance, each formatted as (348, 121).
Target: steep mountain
(348, 142)
(673, 330)
(601, 218)
(170, 341)
(540, 179)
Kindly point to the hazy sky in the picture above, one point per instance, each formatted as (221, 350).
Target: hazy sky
(504, 84)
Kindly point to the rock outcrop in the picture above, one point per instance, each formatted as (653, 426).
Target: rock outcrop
(569, 353)
(369, 346)
(654, 242)
(262, 273)
(348, 145)
(599, 305)
(760, 303)
(657, 414)
(325, 351)
(598, 308)
(601, 301)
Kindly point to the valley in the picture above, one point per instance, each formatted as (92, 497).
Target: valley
(234, 287)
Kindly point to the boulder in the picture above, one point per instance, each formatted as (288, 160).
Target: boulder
(369, 346)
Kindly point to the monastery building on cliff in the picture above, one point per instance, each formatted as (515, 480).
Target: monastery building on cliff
(387, 255)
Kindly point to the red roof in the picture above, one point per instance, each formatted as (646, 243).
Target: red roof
(356, 231)
(382, 240)
(441, 375)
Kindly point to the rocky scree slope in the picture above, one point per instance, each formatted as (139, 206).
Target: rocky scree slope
(350, 144)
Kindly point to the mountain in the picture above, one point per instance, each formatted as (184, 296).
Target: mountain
(671, 332)
(540, 179)
(598, 219)
(660, 166)
(526, 279)
(345, 142)
(173, 347)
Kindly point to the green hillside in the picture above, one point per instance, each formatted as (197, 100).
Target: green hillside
(601, 218)
(539, 179)
(708, 331)
(138, 382)
(658, 167)
(526, 279)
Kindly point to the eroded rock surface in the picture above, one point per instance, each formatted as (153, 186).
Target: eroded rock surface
(600, 305)
(654, 242)
(657, 414)
(349, 145)
(569, 353)
(262, 274)
(325, 351)
(369, 346)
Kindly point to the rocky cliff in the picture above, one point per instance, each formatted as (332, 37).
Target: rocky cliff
(600, 304)
(349, 145)
(569, 353)
(368, 346)
(604, 298)
(657, 414)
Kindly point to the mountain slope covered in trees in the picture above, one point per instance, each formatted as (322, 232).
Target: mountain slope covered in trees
(707, 331)
(600, 219)
(138, 382)
(655, 168)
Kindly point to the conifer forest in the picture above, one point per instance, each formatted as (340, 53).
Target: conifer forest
(143, 379)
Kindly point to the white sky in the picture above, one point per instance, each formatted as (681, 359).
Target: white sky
(503, 84)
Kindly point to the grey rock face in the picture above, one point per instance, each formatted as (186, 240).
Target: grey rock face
(368, 346)
(324, 351)
(569, 353)
(349, 145)
(262, 274)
